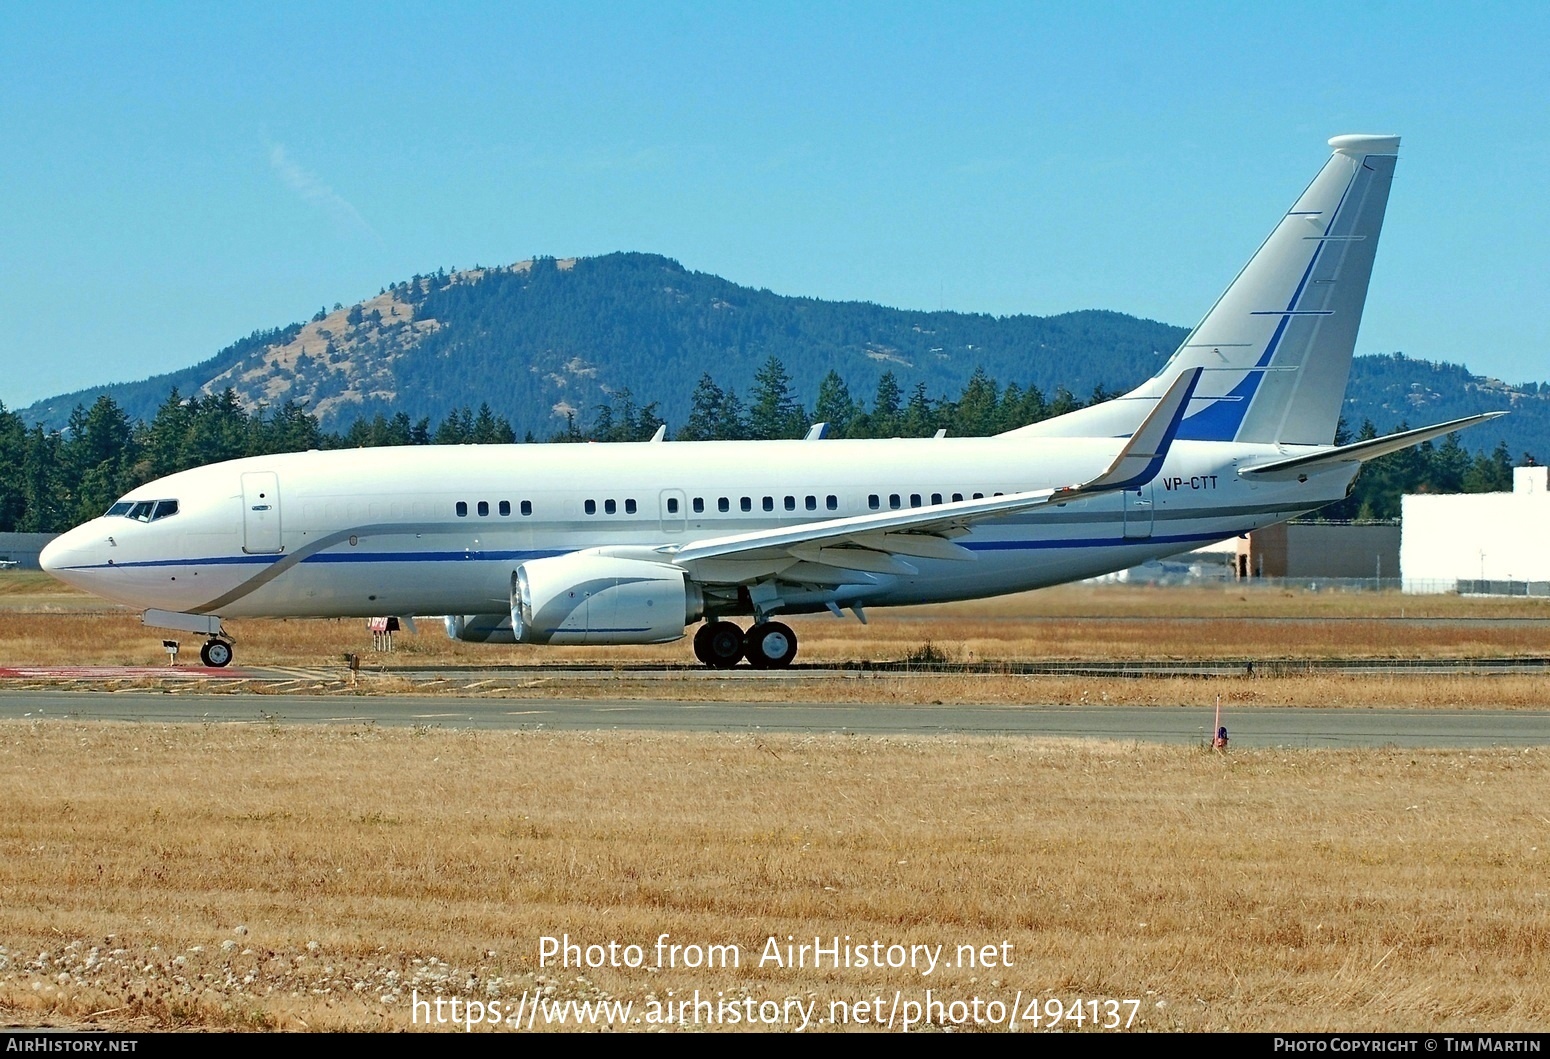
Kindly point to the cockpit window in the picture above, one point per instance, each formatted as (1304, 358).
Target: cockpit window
(144, 510)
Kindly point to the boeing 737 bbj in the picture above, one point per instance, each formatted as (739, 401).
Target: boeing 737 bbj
(636, 543)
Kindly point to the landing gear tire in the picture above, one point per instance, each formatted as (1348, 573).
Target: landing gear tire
(719, 644)
(770, 645)
(216, 654)
(702, 643)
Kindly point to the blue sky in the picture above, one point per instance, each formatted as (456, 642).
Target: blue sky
(178, 175)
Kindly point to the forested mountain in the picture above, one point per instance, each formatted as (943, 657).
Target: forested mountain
(544, 343)
(542, 338)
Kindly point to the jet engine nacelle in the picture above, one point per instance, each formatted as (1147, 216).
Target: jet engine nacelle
(598, 599)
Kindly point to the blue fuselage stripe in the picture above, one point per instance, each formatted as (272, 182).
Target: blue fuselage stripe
(523, 556)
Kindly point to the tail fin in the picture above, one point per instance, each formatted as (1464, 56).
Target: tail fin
(1276, 347)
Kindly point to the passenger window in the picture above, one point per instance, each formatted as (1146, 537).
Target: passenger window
(505, 508)
(672, 505)
(812, 503)
(629, 506)
(957, 497)
(914, 500)
(769, 503)
(747, 503)
(590, 507)
(894, 501)
(936, 498)
(979, 496)
(609, 507)
(723, 505)
(484, 508)
(832, 502)
(462, 509)
(791, 503)
(699, 505)
(872, 502)
(527, 507)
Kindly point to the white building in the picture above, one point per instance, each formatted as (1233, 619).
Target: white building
(1480, 542)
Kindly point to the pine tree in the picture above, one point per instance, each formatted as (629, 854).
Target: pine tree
(488, 429)
(1490, 474)
(13, 448)
(731, 425)
(834, 406)
(164, 439)
(291, 429)
(98, 457)
(42, 486)
(1448, 466)
(883, 422)
(976, 413)
(705, 411)
(920, 420)
(218, 430)
(457, 428)
(774, 411)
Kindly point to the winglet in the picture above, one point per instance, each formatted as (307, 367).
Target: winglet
(1143, 455)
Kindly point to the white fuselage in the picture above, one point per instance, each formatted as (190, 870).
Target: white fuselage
(439, 530)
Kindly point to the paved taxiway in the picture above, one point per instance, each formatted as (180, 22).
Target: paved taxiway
(1258, 727)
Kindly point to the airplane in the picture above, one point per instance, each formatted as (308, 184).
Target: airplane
(637, 543)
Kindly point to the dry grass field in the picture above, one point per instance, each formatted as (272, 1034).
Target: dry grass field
(268, 877)
(44, 623)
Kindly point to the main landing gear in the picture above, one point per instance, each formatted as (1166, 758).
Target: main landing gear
(216, 653)
(768, 645)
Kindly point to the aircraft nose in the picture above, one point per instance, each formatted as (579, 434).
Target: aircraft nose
(67, 553)
(52, 558)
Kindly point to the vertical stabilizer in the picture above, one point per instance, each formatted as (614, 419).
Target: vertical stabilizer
(1276, 347)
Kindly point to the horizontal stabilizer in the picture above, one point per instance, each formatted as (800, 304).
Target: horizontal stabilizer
(1361, 451)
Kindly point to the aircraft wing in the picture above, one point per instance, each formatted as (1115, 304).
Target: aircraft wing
(876, 543)
(1361, 451)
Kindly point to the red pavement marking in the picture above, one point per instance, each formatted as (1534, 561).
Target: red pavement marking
(116, 672)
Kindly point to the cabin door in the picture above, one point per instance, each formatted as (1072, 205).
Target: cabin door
(261, 513)
(674, 515)
(1138, 512)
